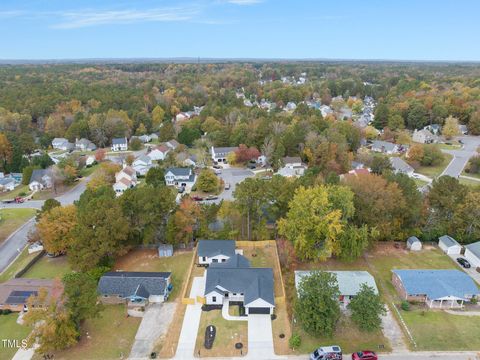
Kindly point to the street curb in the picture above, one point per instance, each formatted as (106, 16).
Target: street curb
(10, 236)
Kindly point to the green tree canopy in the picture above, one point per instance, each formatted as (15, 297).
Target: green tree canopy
(367, 309)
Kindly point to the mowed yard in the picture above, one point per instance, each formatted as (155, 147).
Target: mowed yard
(12, 219)
(9, 329)
(48, 268)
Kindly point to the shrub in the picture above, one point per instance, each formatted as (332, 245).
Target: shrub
(405, 305)
(295, 341)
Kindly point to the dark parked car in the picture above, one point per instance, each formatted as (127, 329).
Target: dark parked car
(210, 333)
(216, 167)
(464, 263)
(197, 198)
(364, 355)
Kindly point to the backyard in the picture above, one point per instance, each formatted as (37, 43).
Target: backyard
(9, 329)
(48, 268)
(108, 337)
(12, 219)
(228, 334)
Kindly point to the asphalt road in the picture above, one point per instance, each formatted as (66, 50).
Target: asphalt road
(13, 245)
(416, 355)
(461, 156)
(232, 176)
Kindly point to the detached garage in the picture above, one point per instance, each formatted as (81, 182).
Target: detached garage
(472, 253)
(449, 245)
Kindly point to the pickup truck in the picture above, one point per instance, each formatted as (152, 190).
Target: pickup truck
(17, 200)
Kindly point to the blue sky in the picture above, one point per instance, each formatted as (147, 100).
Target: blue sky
(346, 29)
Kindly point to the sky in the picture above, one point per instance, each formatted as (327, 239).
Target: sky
(275, 29)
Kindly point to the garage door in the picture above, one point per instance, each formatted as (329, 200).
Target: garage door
(257, 310)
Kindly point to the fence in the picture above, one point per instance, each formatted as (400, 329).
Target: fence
(186, 300)
(27, 267)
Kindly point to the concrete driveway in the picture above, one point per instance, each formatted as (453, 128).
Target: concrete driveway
(155, 323)
(260, 337)
(461, 156)
(471, 271)
(191, 322)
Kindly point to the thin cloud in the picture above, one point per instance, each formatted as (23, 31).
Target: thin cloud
(81, 19)
(244, 2)
(10, 14)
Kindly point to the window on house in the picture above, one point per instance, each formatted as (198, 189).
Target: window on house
(214, 299)
(204, 258)
(223, 260)
(215, 260)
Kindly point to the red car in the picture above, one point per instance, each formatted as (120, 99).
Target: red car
(197, 198)
(364, 355)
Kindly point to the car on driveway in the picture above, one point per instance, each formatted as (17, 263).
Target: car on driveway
(464, 262)
(364, 355)
(327, 353)
(227, 186)
(197, 198)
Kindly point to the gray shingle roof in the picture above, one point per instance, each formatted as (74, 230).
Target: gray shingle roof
(383, 145)
(349, 282)
(223, 151)
(474, 248)
(448, 241)
(38, 174)
(235, 261)
(412, 239)
(254, 283)
(128, 284)
(178, 171)
(437, 284)
(400, 165)
(118, 141)
(211, 248)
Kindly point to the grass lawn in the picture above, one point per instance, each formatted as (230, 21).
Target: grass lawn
(12, 219)
(469, 182)
(228, 334)
(17, 265)
(453, 146)
(15, 192)
(476, 176)
(438, 330)
(433, 171)
(87, 171)
(109, 337)
(419, 182)
(9, 329)
(148, 260)
(48, 268)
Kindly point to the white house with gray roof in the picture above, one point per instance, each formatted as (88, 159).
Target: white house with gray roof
(142, 164)
(220, 154)
(385, 147)
(180, 177)
(472, 253)
(449, 245)
(349, 283)
(216, 251)
(400, 166)
(119, 144)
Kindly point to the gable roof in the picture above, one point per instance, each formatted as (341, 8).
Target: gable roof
(119, 141)
(133, 284)
(412, 239)
(17, 291)
(448, 241)
(400, 165)
(211, 248)
(474, 248)
(349, 282)
(292, 160)
(143, 158)
(235, 261)
(223, 150)
(38, 174)
(163, 148)
(387, 146)
(178, 171)
(437, 284)
(254, 283)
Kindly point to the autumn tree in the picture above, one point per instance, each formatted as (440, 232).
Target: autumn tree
(100, 155)
(56, 228)
(47, 206)
(6, 151)
(207, 181)
(450, 128)
(474, 123)
(244, 153)
(182, 224)
(105, 175)
(158, 115)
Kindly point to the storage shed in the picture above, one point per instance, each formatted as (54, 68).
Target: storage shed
(449, 245)
(165, 250)
(413, 244)
(472, 253)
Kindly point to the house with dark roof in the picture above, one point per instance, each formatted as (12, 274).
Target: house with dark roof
(84, 145)
(234, 281)
(385, 147)
(180, 177)
(472, 253)
(118, 287)
(220, 154)
(41, 179)
(400, 166)
(435, 288)
(215, 251)
(7, 184)
(119, 144)
(292, 167)
(62, 144)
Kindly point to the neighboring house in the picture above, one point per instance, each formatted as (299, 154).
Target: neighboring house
(7, 184)
(355, 173)
(326, 110)
(424, 137)
(220, 154)
(355, 165)
(116, 287)
(182, 116)
(124, 180)
(291, 106)
(14, 293)
(236, 281)
(165, 250)
(472, 253)
(142, 164)
(414, 244)
(215, 251)
(143, 138)
(400, 166)
(41, 179)
(463, 129)
(180, 177)
(433, 128)
(119, 144)
(349, 283)
(435, 288)
(172, 144)
(84, 145)
(449, 245)
(292, 167)
(153, 137)
(62, 144)
(385, 147)
(185, 159)
(159, 152)
(90, 160)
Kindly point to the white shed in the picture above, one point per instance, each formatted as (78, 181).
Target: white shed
(413, 244)
(449, 245)
(472, 253)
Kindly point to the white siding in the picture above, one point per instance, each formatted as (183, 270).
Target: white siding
(472, 258)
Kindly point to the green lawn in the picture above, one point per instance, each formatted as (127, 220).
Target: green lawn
(87, 171)
(17, 265)
(433, 171)
(228, 333)
(148, 260)
(419, 182)
(15, 192)
(469, 182)
(452, 146)
(9, 329)
(437, 330)
(12, 219)
(109, 337)
(476, 176)
(48, 268)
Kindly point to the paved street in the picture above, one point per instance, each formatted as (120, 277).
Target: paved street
(14, 244)
(232, 176)
(461, 156)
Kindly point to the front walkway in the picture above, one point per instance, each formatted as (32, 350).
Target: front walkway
(191, 322)
(227, 316)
